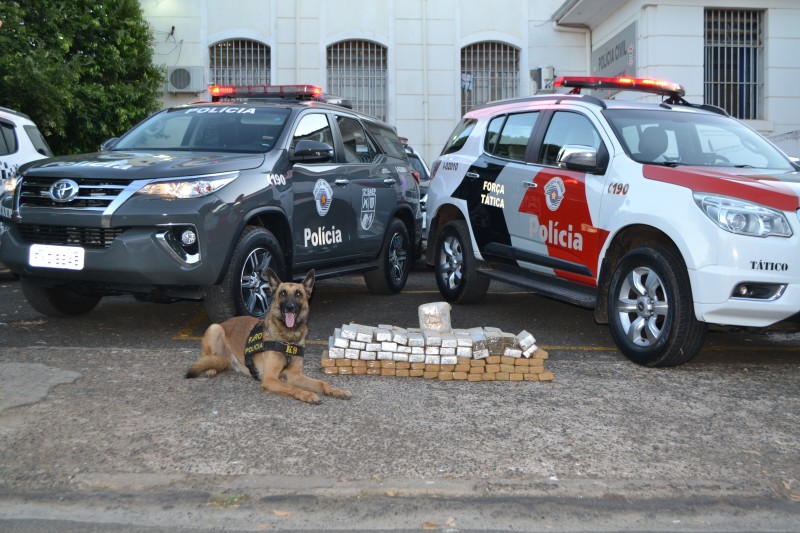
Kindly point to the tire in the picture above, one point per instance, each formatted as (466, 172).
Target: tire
(650, 310)
(455, 266)
(245, 288)
(57, 301)
(394, 262)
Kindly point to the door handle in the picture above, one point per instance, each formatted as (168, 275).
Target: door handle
(341, 182)
(388, 181)
(473, 175)
(529, 185)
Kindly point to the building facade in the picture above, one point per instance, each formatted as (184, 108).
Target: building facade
(420, 64)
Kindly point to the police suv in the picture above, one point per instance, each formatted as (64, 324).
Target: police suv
(197, 201)
(662, 217)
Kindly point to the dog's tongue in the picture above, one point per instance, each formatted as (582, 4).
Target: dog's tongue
(289, 318)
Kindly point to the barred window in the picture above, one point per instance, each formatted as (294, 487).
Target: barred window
(239, 62)
(357, 71)
(734, 61)
(489, 71)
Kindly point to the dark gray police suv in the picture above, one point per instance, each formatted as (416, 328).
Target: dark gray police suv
(197, 201)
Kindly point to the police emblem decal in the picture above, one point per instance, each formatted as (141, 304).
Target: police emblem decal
(554, 192)
(323, 196)
(368, 201)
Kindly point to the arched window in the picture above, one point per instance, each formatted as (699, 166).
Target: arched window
(239, 62)
(489, 71)
(357, 71)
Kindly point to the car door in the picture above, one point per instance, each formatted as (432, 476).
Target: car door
(494, 184)
(373, 183)
(554, 213)
(323, 218)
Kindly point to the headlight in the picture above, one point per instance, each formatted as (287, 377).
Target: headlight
(9, 185)
(743, 218)
(193, 187)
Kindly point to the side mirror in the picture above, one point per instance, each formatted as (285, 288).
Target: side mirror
(582, 158)
(108, 144)
(312, 152)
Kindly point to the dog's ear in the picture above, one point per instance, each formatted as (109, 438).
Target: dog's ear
(308, 282)
(274, 281)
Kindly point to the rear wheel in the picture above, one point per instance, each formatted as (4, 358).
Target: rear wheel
(57, 301)
(245, 289)
(394, 262)
(650, 309)
(455, 266)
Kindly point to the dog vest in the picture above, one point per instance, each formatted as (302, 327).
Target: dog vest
(256, 343)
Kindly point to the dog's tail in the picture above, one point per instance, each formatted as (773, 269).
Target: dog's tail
(206, 363)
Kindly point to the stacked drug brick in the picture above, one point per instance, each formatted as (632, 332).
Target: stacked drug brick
(435, 351)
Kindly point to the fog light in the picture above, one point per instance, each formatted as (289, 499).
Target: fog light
(759, 291)
(188, 237)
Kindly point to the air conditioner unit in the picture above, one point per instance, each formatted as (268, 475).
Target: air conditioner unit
(185, 79)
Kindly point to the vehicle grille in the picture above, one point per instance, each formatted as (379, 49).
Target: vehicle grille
(93, 194)
(85, 237)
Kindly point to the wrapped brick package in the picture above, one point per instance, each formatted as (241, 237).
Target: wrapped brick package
(435, 351)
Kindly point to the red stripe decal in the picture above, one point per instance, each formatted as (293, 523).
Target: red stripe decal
(764, 190)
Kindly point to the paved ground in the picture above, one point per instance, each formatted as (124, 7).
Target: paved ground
(100, 432)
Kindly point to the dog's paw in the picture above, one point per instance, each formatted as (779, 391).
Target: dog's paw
(210, 373)
(308, 397)
(341, 394)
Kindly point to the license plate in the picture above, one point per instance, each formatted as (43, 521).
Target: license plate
(64, 257)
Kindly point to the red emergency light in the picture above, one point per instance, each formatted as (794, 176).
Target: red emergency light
(662, 87)
(295, 92)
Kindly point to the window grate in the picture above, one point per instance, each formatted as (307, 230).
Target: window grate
(239, 62)
(357, 71)
(489, 71)
(734, 61)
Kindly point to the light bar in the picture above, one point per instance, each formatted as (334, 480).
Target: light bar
(297, 92)
(662, 87)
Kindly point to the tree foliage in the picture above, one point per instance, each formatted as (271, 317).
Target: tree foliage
(81, 69)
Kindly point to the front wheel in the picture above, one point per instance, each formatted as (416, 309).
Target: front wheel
(650, 309)
(245, 289)
(455, 266)
(394, 261)
(57, 301)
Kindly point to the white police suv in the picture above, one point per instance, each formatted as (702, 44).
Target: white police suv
(662, 217)
(20, 143)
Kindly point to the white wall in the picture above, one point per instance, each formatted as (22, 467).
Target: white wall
(424, 38)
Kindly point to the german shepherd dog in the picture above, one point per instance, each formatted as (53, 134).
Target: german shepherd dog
(267, 348)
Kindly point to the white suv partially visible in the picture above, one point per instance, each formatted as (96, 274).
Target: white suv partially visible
(20, 143)
(662, 217)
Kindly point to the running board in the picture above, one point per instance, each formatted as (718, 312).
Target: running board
(544, 285)
(335, 272)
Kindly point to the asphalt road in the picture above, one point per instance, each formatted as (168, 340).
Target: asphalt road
(99, 431)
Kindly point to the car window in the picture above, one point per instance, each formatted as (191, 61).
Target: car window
(358, 148)
(567, 128)
(8, 141)
(694, 139)
(509, 138)
(38, 141)
(206, 129)
(387, 140)
(416, 162)
(313, 127)
(459, 136)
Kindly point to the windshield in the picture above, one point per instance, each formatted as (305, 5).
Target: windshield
(213, 128)
(679, 138)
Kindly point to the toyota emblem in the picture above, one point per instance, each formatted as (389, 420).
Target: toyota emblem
(64, 191)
